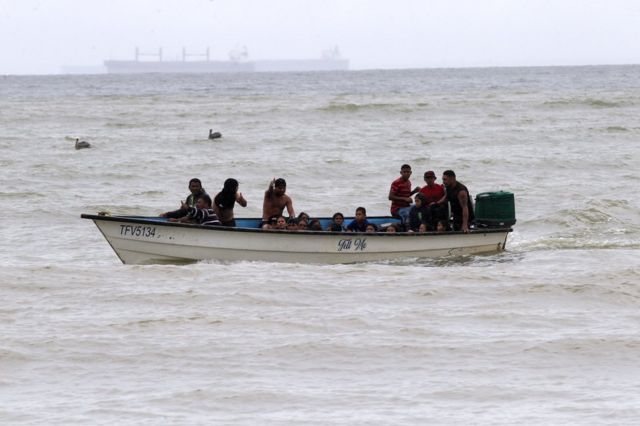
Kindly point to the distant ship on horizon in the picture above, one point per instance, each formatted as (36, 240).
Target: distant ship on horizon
(238, 62)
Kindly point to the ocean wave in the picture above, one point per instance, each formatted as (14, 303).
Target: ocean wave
(353, 107)
(615, 129)
(589, 102)
(21, 195)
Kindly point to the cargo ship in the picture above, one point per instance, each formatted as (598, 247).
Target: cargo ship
(238, 62)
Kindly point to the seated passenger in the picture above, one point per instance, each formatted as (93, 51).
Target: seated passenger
(441, 226)
(195, 186)
(201, 214)
(419, 214)
(359, 224)
(337, 224)
(392, 228)
(226, 199)
(315, 225)
(303, 216)
(371, 228)
(292, 224)
(302, 224)
(281, 223)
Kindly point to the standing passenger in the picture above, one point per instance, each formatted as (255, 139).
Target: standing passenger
(275, 200)
(400, 194)
(460, 200)
(226, 199)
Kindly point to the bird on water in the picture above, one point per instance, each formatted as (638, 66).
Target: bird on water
(214, 135)
(82, 144)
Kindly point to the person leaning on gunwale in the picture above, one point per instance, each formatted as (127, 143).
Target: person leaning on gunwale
(460, 201)
(195, 186)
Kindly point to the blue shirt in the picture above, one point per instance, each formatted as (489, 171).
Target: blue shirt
(358, 227)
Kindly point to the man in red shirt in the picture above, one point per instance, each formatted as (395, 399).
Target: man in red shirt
(435, 197)
(400, 194)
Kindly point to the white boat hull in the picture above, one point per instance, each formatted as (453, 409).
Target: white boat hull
(148, 241)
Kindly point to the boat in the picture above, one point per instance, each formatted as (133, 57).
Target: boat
(154, 240)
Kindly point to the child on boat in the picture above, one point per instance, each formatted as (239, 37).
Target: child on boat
(359, 224)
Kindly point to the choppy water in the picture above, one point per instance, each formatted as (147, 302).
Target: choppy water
(545, 333)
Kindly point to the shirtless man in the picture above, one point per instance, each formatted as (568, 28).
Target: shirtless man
(275, 200)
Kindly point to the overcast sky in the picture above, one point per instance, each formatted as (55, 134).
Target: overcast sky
(41, 36)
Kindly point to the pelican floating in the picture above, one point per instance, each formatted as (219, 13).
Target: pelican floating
(214, 135)
(82, 144)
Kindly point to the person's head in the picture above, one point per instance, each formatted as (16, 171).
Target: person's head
(370, 228)
(441, 226)
(203, 202)
(230, 185)
(279, 186)
(315, 225)
(361, 214)
(303, 216)
(281, 222)
(292, 225)
(195, 185)
(303, 224)
(227, 197)
(405, 172)
(430, 177)
(338, 218)
(449, 178)
(420, 200)
(392, 228)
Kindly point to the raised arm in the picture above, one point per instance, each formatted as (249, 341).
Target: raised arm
(240, 199)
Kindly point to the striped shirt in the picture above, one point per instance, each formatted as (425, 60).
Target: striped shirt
(203, 216)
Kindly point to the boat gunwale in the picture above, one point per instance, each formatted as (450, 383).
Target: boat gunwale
(147, 220)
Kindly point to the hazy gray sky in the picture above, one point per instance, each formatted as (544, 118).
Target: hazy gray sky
(40, 36)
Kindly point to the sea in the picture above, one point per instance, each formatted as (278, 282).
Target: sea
(544, 333)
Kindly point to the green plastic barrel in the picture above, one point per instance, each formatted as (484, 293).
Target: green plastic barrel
(495, 209)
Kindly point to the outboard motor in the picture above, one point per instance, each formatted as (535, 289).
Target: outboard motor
(495, 210)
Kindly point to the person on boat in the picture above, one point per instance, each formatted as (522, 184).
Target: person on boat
(195, 186)
(281, 223)
(460, 201)
(337, 223)
(292, 224)
(435, 196)
(225, 200)
(359, 224)
(303, 216)
(201, 213)
(275, 200)
(315, 225)
(302, 224)
(441, 226)
(400, 194)
(391, 228)
(371, 228)
(419, 215)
